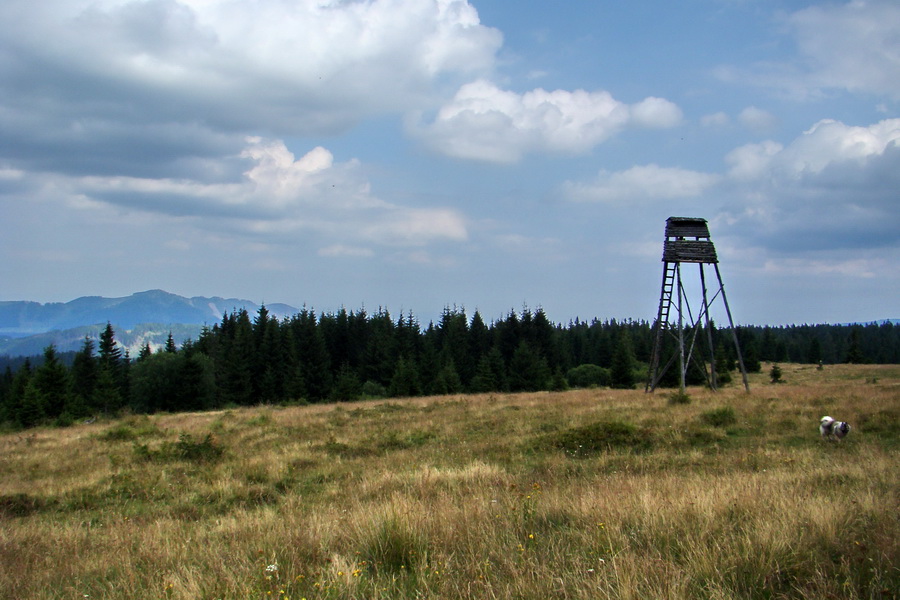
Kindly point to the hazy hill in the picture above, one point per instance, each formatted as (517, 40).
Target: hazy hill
(28, 327)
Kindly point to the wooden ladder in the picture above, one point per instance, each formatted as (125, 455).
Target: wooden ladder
(662, 320)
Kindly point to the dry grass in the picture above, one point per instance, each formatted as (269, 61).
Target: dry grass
(583, 494)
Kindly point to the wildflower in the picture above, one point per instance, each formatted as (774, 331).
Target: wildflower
(530, 536)
(273, 568)
(357, 572)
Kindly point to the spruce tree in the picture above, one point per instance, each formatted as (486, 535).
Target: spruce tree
(447, 381)
(490, 376)
(15, 397)
(110, 353)
(83, 380)
(621, 373)
(528, 370)
(346, 385)
(51, 381)
(405, 382)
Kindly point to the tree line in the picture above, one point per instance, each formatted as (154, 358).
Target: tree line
(347, 355)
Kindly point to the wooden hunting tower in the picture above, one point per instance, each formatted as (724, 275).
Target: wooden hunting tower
(687, 241)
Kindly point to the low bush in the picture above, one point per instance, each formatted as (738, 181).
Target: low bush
(720, 417)
(594, 438)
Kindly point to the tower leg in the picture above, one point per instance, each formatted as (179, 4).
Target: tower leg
(713, 383)
(737, 346)
(681, 364)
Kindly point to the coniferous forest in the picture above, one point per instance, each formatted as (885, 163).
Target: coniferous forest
(347, 355)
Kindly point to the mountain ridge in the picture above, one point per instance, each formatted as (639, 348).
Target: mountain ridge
(26, 327)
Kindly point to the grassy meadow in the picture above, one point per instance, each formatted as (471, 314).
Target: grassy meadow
(582, 494)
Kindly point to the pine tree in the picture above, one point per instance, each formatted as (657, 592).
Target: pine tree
(623, 365)
(15, 397)
(32, 411)
(447, 381)
(854, 351)
(83, 380)
(6, 382)
(110, 353)
(814, 354)
(51, 381)
(528, 370)
(312, 366)
(170, 346)
(346, 385)
(405, 382)
(113, 372)
(490, 376)
(234, 374)
(107, 395)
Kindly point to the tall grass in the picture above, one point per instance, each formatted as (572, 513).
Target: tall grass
(582, 494)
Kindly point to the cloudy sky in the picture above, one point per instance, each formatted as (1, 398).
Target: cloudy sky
(417, 154)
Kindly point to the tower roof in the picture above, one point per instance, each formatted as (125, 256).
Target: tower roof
(687, 227)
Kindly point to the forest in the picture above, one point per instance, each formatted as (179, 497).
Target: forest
(348, 355)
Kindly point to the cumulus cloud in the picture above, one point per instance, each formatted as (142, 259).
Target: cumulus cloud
(190, 75)
(757, 119)
(827, 145)
(646, 182)
(484, 122)
(277, 197)
(834, 186)
(715, 120)
(852, 46)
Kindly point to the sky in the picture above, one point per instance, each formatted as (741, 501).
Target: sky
(486, 155)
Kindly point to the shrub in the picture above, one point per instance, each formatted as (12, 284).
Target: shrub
(720, 417)
(587, 440)
(679, 397)
(206, 450)
(775, 374)
(588, 375)
(373, 389)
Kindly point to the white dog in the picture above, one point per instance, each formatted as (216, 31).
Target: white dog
(833, 430)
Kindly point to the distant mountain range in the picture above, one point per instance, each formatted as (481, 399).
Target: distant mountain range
(26, 328)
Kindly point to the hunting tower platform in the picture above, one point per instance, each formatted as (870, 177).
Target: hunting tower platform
(687, 241)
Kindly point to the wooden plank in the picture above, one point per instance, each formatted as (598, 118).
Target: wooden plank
(699, 251)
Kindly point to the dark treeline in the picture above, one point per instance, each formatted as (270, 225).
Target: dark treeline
(348, 355)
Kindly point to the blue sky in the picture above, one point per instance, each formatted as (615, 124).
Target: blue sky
(417, 154)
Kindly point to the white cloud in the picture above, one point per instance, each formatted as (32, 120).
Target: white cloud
(341, 250)
(277, 197)
(750, 161)
(827, 144)
(646, 182)
(484, 122)
(834, 186)
(757, 119)
(238, 65)
(857, 268)
(854, 46)
(851, 46)
(715, 120)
